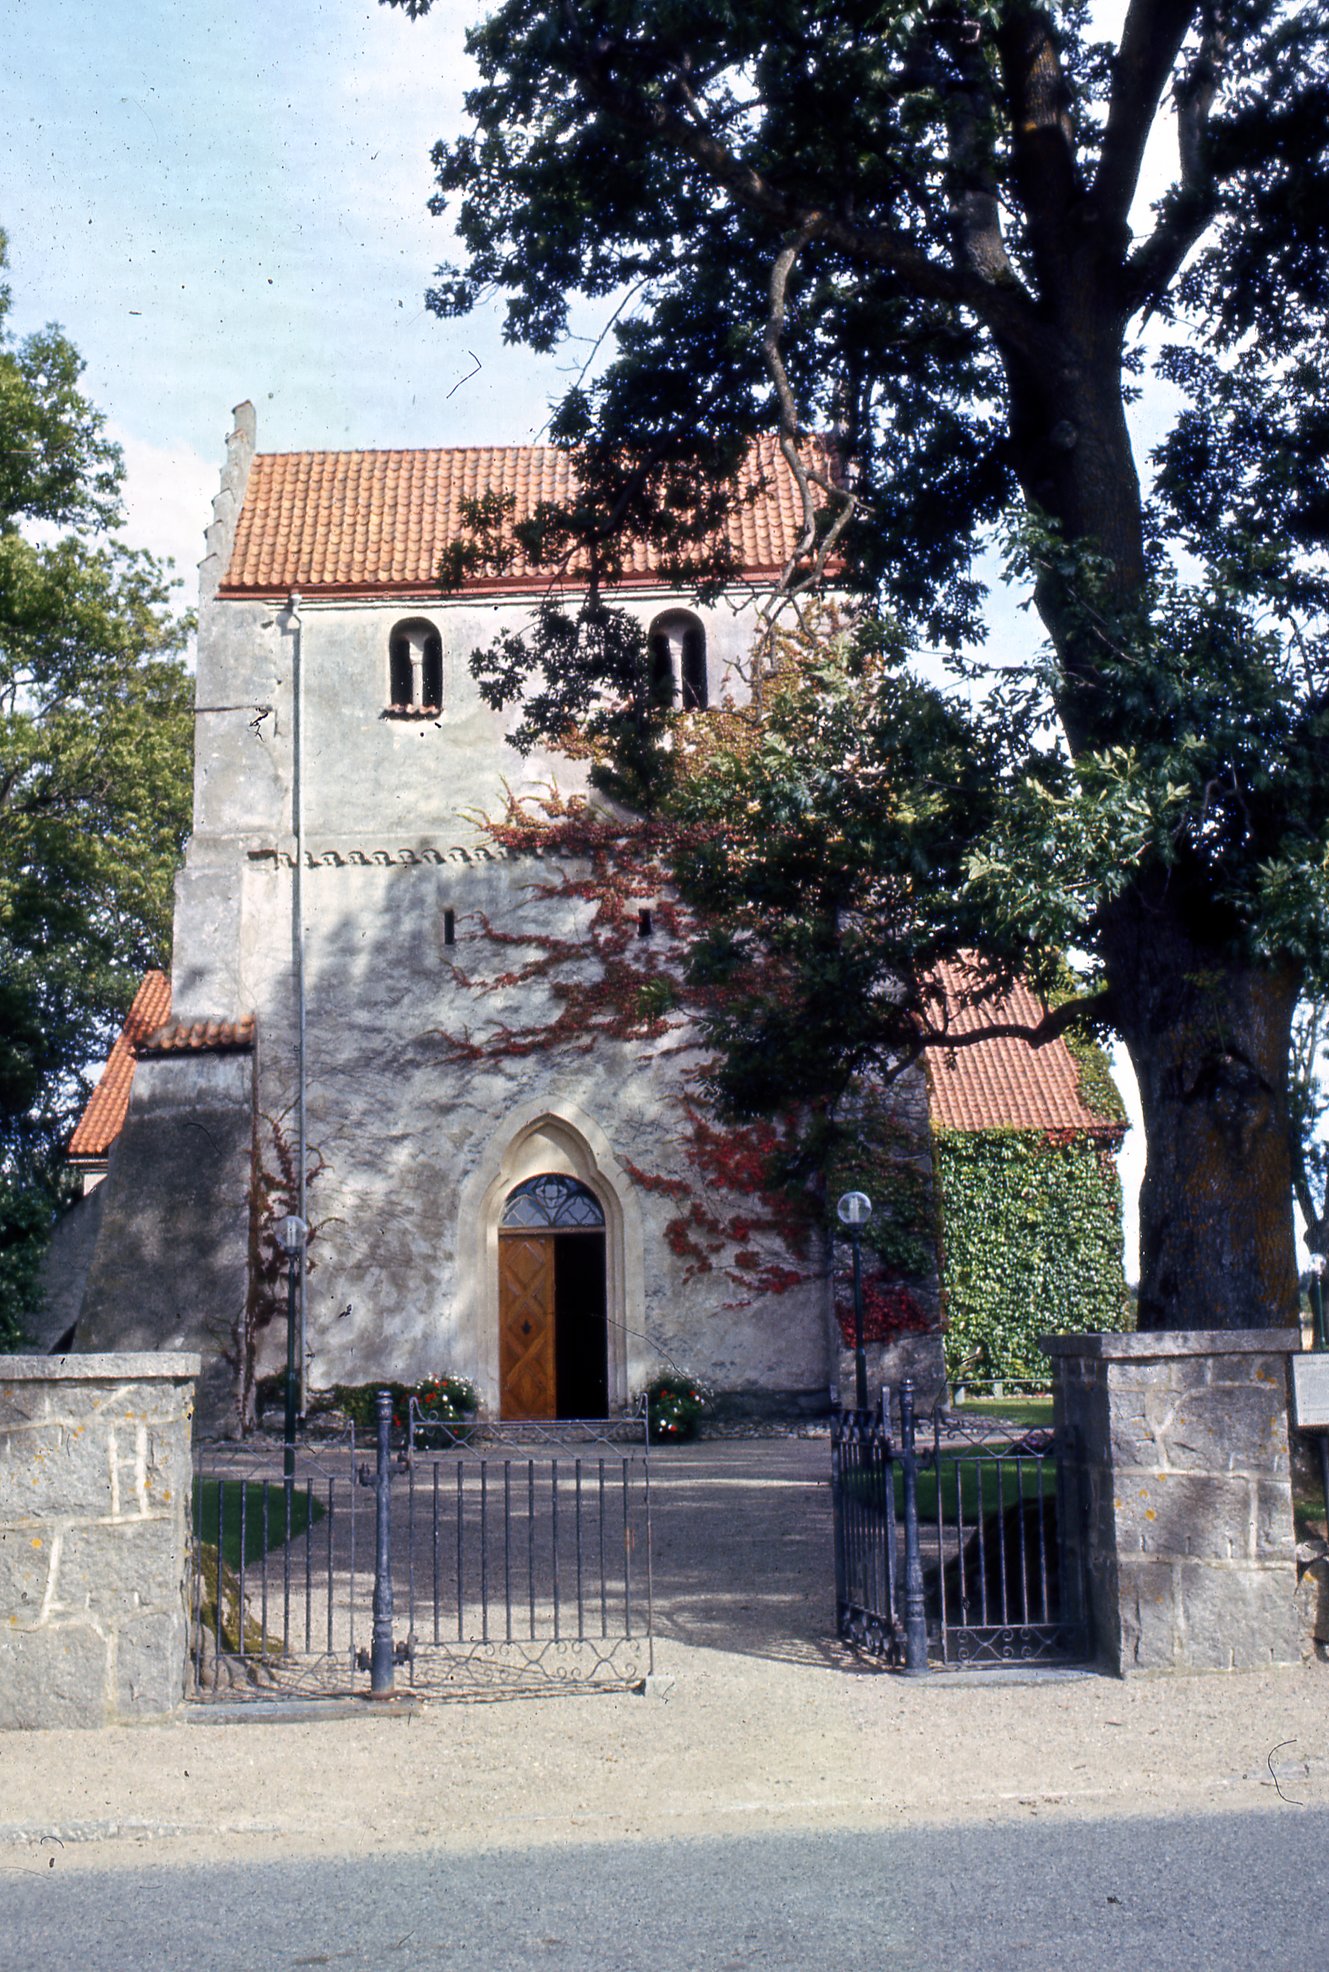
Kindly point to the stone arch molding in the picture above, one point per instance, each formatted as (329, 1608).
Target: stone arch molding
(544, 1136)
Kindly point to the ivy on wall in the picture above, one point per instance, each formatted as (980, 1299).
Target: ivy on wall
(1031, 1244)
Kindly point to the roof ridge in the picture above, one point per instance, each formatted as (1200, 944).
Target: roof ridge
(401, 451)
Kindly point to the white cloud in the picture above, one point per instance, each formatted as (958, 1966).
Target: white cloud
(168, 503)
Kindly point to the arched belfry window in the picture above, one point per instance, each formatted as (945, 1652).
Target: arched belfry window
(554, 1203)
(415, 669)
(678, 661)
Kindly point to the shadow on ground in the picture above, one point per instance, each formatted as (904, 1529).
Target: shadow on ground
(742, 1549)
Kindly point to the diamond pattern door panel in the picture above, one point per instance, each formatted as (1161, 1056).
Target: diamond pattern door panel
(528, 1383)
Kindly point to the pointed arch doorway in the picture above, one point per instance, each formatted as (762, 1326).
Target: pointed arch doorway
(553, 1358)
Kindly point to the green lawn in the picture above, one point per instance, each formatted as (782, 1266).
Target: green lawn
(216, 1499)
(1024, 1411)
(998, 1487)
(1308, 1515)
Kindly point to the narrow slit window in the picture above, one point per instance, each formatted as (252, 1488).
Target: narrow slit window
(645, 926)
(449, 927)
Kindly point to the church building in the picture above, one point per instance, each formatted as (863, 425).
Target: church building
(362, 965)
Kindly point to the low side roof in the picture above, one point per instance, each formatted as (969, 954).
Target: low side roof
(148, 1030)
(104, 1117)
(378, 523)
(1005, 1083)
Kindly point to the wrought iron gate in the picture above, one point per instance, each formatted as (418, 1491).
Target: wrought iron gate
(502, 1559)
(951, 1540)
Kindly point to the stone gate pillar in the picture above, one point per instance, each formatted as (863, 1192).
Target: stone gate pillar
(1178, 1497)
(95, 1479)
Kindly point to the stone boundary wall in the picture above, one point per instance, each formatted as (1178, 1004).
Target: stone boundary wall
(1176, 1494)
(95, 1479)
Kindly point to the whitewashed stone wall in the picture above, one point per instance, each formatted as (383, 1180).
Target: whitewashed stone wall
(94, 1518)
(417, 1149)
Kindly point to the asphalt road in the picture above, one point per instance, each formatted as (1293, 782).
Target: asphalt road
(1234, 1890)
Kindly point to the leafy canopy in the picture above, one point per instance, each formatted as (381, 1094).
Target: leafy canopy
(95, 743)
(910, 226)
(918, 230)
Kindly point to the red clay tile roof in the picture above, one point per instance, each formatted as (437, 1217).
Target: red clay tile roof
(199, 1037)
(103, 1119)
(148, 1030)
(1005, 1084)
(377, 523)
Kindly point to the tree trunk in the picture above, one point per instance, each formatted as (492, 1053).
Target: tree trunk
(1209, 1040)
(1208, 1034)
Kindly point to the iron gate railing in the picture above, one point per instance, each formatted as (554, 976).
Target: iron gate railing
(951, 1540)
(489, 1560)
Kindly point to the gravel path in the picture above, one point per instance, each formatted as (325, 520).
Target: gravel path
(754, 1721)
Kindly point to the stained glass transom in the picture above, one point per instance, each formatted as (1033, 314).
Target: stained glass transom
(552, 1201)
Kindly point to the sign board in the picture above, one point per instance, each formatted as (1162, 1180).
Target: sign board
(1310, 1392)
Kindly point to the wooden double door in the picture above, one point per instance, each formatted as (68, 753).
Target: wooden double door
(552, 1330)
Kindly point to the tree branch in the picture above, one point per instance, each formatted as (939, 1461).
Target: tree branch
(1151, 40)
(975, 210)
(1042, 139)
(1051, 1027)
(808, 555)
(1193, 201)
(1002, 304)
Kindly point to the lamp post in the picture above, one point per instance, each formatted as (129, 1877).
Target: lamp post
(855, 1209)
(292, 1233)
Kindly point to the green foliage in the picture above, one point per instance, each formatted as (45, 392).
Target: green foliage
(1093, 1069)
(828, 850)
(27, 1210)
(675, 1406)
(96, 733)
(873, 1155)
(597, 694)
(920, 229)
(1031, 1241)
(261, 1507)
(441, 1400)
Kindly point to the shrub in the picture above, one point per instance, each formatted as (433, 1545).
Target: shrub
(438, 1400)
(675, 1405)
(1031, 1235)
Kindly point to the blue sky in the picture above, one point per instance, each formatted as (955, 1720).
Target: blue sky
(229, 200)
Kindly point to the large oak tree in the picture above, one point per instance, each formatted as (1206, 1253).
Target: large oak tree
(917, 225)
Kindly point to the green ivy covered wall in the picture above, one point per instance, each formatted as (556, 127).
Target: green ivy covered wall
(1031, 1242)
